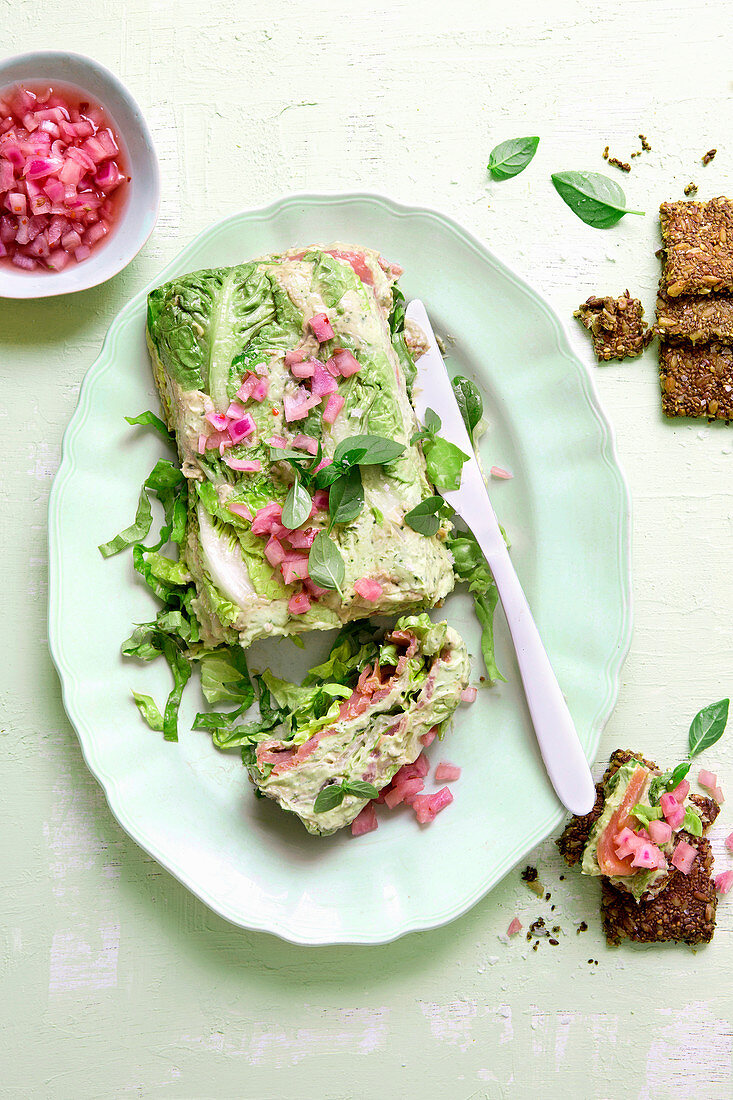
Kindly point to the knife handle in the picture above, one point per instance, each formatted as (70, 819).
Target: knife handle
(559, 744)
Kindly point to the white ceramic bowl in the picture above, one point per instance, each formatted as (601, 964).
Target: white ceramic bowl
(140, 211)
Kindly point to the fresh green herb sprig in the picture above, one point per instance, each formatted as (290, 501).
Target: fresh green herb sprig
(470, 403)
(511, 157)
(333, 795)
(597, 200)
(443, 460)
(706, 728)
(426, 517)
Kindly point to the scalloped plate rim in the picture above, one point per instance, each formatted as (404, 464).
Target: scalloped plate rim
(607, 452)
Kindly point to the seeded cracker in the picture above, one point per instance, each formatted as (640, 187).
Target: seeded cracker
(684, 911)
(695, 320)
(696, 380)
(616, 326)
(698, 240)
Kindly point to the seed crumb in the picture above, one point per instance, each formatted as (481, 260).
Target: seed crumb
(605, 153)
(636, 154)
(644, 143)
(553, 941)
(535, 945)
(709, 156)
(691, 189)
(548, 895)
(582, 927)
(622, 164)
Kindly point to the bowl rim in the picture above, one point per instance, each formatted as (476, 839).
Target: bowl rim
(56, 286)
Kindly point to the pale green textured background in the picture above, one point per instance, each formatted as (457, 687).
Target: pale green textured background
(116, 982)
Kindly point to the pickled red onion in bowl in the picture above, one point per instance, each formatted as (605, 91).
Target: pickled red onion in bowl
(111, 221)
(62, 177)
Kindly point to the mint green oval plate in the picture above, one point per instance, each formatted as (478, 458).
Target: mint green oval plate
(567, 514)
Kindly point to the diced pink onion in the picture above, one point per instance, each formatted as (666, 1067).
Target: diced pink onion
(365, 821)
(235, 411)
(297, 408)
(345, 363)
(672, 810)
(218, 421)
(646, 856)
(265, 518)
(299, 603)
(447, 773)
(723, 882)
(660, 831)
(500, 473)
(294, 569)
(304, 369)
(334, 405)
(320, 499)
(681, 791)
(707, 779)
(302, 539)
(245, 465)
(259, 393)
(428, 738)
(468, 695)
(294, 356)
(405, 791)
(274, 551)
(514, 927)
(277, 441)
(248, 384)
(427, 806)
(321, 327)
(729, 842)
(306, 443)
(240, 429)
(368, 589)
(323, 383)
(684, 856)
(240, 509)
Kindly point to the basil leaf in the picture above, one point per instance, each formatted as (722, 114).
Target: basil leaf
(511, 157)
(425, 516)
(136, 532)
(346, 497)
(297, 506)
(708, 726)
(359, 789)
(676, 776)
(328, 474)
(691, 822)
(596, 199)
(328, 799)
(397, 316)
(325, 564)
(149, 710)
(444, 462)
(469, 402)
(645, 814)
(367, 450)
(433, 423)
(150, 420)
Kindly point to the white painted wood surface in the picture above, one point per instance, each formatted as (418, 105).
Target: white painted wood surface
(115, 981)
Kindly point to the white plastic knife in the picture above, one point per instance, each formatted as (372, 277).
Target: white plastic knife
(558, 740)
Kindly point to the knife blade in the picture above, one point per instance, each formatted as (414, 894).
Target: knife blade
(559, 744)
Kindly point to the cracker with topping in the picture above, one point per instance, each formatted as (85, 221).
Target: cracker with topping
(616, 325)
(698, 241)
(696, 380)
(684, 912)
